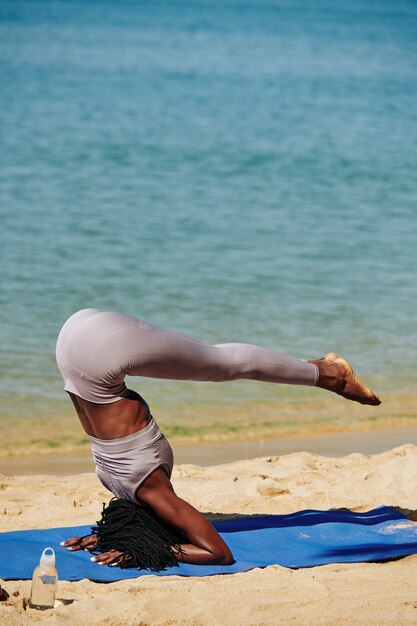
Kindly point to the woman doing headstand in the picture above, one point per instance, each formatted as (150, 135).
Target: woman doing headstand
(97, 349)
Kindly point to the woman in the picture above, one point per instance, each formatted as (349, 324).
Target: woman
(97, 349)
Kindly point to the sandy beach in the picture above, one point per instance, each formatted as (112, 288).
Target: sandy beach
(376, 593)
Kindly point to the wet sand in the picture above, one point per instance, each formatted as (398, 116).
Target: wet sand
(207, 454)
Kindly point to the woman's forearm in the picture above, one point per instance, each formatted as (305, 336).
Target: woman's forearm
(190, 553)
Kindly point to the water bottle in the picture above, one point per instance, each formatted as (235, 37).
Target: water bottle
(44, 580)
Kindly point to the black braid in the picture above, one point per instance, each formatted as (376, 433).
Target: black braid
(134, 530)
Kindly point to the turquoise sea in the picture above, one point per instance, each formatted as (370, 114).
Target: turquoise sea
(239, 170)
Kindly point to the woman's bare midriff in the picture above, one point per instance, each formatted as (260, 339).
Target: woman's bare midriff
(111, 421)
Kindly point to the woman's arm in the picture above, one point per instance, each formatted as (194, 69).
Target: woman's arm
(205, 546)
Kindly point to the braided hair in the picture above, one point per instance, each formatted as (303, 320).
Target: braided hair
(134, 530)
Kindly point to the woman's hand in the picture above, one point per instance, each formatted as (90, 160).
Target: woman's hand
(88, 542)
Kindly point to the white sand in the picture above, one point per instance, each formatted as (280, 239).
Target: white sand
(373, 593)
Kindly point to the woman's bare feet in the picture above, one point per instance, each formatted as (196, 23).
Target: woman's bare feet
(337, 375)
(89, 542)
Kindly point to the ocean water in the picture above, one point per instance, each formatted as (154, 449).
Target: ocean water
(239, 170)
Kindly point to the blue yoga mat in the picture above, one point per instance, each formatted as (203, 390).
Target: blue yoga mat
(303, 539)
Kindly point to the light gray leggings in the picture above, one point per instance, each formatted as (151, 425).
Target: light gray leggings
(97, 349)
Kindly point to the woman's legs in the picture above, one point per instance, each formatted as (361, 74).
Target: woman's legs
(97, 349)
(166, 354)
(159, 353)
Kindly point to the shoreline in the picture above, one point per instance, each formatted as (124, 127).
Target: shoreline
(52, 434)
(206, 454)
(32, 438)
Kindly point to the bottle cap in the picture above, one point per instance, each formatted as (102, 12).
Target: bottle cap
(47, 559)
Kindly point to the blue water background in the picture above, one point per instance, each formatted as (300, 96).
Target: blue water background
(236, 170)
